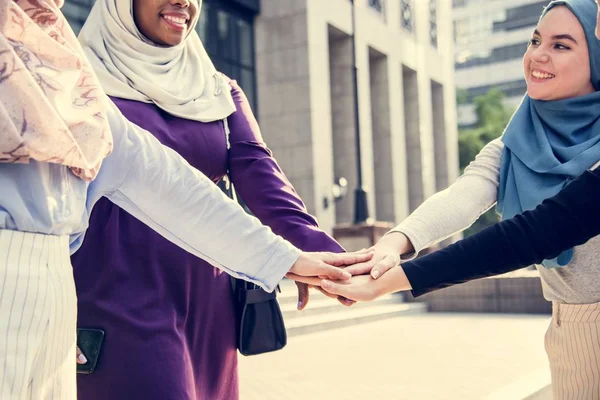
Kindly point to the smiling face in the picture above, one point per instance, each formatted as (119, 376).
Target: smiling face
(165, 22)
(557, 63)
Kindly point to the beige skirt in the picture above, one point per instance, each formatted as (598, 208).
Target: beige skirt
(38, 313)
(573, 347)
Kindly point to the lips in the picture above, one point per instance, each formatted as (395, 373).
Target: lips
(176, 21)
(541, 74)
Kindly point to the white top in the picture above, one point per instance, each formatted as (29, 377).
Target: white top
(456, 208)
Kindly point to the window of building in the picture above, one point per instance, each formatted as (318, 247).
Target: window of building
(377, 5)
(406, 15)
(228, 37)
(521, 17)
(510, 89)
(499, 54)
(433, 23)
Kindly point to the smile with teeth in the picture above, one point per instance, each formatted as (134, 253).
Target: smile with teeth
(541, 75)
(176, 20)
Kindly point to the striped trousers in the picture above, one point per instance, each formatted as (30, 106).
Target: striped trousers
(573, 347)
(38, 312)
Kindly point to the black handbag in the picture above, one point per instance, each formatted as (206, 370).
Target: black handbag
(259, 321)
(260, 326)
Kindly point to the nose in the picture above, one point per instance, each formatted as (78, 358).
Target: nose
(181, 3)
(540, 55)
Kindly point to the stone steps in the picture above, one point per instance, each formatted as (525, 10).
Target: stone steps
(323, 313)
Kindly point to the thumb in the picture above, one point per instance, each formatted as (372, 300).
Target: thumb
(303, 295)
(388, 262)
(80, 357)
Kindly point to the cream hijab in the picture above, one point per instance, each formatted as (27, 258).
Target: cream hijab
(181, 80)
(51, 104)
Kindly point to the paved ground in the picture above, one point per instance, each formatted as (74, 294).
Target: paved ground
(422, 357)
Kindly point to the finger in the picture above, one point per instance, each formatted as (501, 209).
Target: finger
(310, 280)
(337, 288)
(385, 265)
(303, 295)
(364, 267)
(331, 296)
(360, 252)
(80, 357)
(345, 302)
(347, 258)
(331, 272)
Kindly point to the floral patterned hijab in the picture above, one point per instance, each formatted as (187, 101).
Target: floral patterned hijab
(52, 107)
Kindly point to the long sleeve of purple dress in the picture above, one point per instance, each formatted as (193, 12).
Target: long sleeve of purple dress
(263, 186)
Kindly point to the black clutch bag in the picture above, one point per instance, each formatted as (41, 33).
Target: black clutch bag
(260, 326)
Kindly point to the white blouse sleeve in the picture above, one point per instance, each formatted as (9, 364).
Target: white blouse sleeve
(456, 208)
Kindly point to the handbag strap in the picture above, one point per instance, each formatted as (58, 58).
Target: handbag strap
(256, 296)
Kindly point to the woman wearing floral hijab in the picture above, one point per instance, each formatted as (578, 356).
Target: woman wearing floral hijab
(57, 129)
(150, 60)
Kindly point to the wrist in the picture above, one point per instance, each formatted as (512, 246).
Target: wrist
(394, 280)
(396, 242)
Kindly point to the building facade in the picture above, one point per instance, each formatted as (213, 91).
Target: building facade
(294, 60)
(407, 109)
(491, 37)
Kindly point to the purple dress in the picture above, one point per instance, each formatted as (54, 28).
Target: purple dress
(169, 316)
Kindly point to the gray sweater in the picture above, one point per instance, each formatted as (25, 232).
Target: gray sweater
(456, 208)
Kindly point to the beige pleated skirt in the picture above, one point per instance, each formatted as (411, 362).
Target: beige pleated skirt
(573, 347)
(38, 312)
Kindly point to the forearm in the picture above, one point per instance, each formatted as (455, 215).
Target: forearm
(165, 192)
(457, 207)
(566, 220)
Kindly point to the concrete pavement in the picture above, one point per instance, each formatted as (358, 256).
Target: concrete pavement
(420, 357)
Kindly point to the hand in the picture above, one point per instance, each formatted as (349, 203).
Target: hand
(324, 265)
(304, 295)
(365, 288)
(80, 357)
(316, 265)
(387, 255)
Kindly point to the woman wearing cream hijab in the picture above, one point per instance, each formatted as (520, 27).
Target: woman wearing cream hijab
(57, 128)
(150, 60)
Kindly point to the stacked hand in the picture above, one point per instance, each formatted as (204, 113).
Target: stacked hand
(371, 278)
(314, 267)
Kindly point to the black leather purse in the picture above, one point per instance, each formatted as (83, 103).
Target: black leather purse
(259, 321)
(260, 326)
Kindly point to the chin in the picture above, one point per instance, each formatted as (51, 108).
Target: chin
(545, 97)
(174, 41)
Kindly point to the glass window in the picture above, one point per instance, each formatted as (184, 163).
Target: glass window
(433, 23)
(229, 40)
(406, 15)
(377, 5)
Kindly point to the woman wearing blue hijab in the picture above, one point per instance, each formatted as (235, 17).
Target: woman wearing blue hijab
(552, 138)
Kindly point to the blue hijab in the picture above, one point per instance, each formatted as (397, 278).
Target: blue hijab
(549, 143)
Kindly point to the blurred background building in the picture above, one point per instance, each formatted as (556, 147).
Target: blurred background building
(293, 59)
(491, 37)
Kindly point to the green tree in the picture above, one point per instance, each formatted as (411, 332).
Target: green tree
(492, 118)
